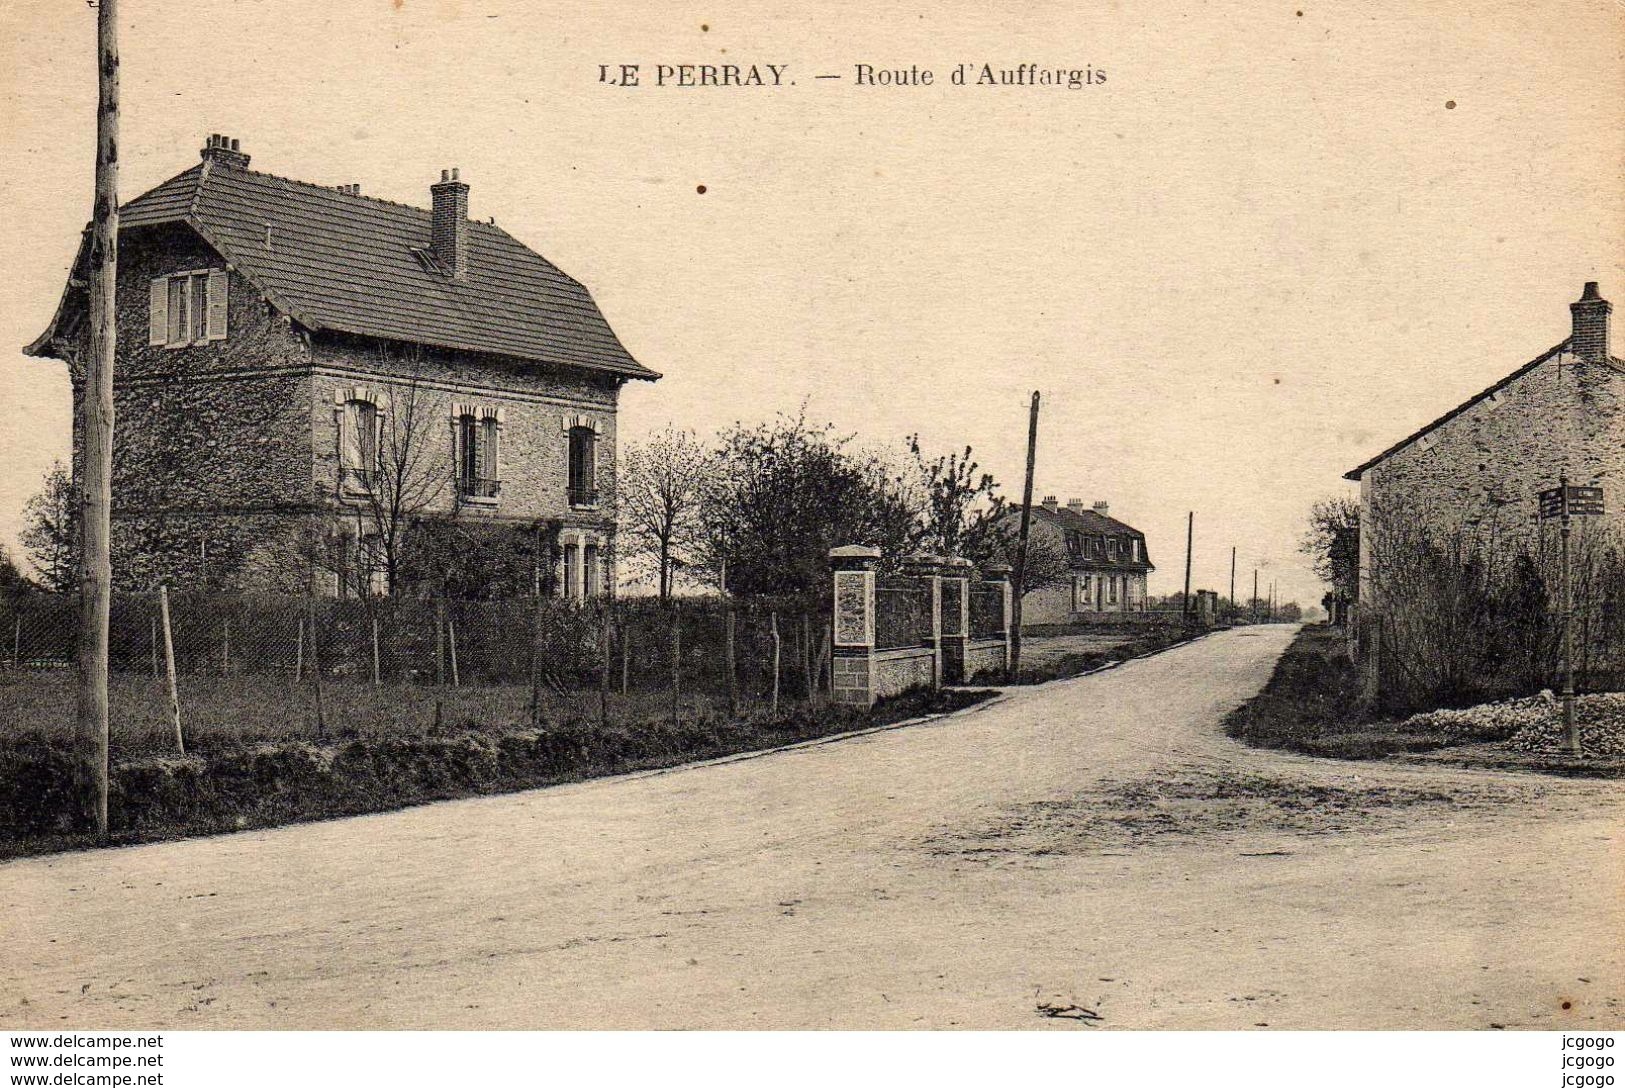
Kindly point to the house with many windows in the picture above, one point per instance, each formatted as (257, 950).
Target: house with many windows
(307, 376)
(1101, 564)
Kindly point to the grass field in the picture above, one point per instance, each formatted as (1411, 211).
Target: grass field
(220, 713)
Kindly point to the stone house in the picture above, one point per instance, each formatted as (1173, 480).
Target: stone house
(1106, 563)
(297, 363)
(1481, 466)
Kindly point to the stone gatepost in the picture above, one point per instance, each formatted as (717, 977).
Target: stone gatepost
(852, 622)
(954, 581)
(928, 569)
(998, 574)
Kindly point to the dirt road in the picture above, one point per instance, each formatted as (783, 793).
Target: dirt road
(1095, 843)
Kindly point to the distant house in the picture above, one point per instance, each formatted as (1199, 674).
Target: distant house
(1101, 563)
(1481, 466)
(272, 337)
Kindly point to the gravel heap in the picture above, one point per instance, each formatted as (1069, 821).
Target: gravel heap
(1601, 719)
(1488, 721)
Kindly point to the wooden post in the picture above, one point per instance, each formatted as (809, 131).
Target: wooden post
(1190, 538)
(17, 642)
(1571, 728)
(451, 638)
(1255, 594)
(96, 424)
(1020, 587)
(169, 668)
(773, 619)
(730, 661)
(225, 646)
(536, 661)
(316, 673)
(626, 659)
(676, 663)
(807, 659)
(299, 652)
(1232, 581)
(440, 642)
(377, 672)
(153, 643)
(603, 675)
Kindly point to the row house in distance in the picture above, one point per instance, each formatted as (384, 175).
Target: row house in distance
(1106, 560)
(298, 362)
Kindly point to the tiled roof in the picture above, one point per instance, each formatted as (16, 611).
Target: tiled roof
(347, 263)
(1556, 349)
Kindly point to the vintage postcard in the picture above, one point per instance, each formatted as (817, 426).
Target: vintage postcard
(1048, 517)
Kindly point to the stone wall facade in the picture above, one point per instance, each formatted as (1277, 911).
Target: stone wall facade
(1481, 472)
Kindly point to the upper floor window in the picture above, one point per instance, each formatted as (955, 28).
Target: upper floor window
(582, 481)
(361, 430)
(477, 432)
(188, 308)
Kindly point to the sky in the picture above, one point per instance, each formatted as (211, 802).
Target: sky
(1276, 239)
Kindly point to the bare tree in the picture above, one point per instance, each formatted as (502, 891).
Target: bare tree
(1332, 542)
(661, 491)
(961, 511)
(50, 533)
(410, 469)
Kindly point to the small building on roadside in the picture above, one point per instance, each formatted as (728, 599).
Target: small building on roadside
(1086, 563)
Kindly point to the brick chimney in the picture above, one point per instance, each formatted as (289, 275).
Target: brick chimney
(1075, 505)
(1103, 508)
(1051, 503)
(1590, 338)
(222, 150)
(448, 236)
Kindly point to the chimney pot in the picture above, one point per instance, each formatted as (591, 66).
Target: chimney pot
(1102, 507)
(1075, 505)
(1050, 503)
(1589, 339)
(224, 151)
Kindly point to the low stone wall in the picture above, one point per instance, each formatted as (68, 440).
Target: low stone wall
(897, 671)
(985, 655)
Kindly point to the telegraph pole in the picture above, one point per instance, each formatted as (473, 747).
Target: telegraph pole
(1570, 728)
(1255, 595)
(1232, 578)
(1026, 527)
(1190, 537)
(96, 424)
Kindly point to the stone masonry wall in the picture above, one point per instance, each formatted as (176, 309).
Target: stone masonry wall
(1483, 470)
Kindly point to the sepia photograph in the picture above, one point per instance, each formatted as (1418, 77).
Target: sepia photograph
(1090, 533)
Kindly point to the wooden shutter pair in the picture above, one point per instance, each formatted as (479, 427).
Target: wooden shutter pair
(214, 310)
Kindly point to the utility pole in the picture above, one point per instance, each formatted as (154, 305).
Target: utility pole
(1255, 595)
(1026, 527)
(96, 424)
(1232, 578)
(1190, 537)
(1571, 729)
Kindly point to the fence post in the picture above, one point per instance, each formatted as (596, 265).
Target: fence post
(299, 650)
(807, 660)
(928, 570)
(17, 638)
(626, 659)
(316, 672)
(998, 575)
(451, 637)
(603, 675)
(730, 661)
(852, 625)
(440, 642)
(676, 662)
(956, 633)
(773, 620)
(377, 672)
(169, 667)
(225, 646)
(536, 665)
(153, 645)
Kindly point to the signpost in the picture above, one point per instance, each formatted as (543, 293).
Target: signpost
(1565, 503)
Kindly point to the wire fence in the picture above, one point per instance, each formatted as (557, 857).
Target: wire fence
(251, 667)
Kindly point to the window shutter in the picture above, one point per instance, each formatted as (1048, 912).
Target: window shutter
(158, 315)
(215, 329)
